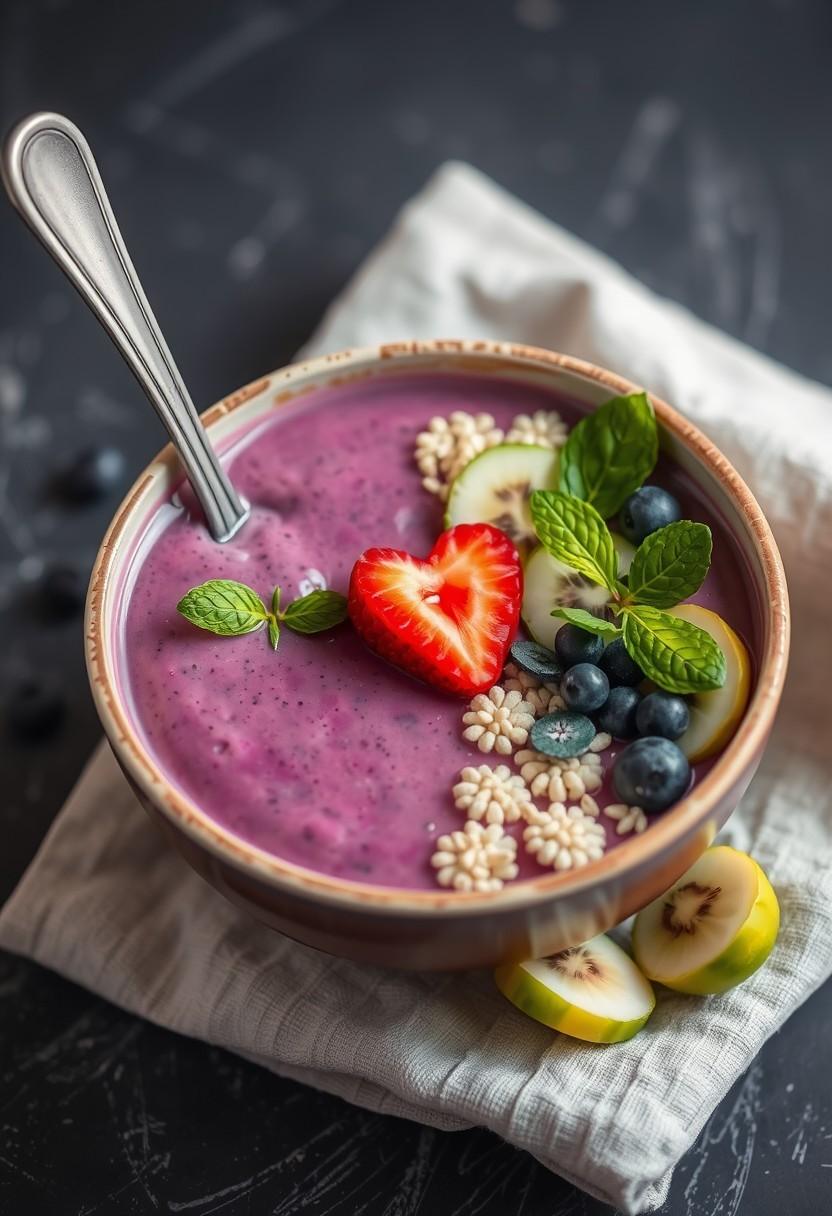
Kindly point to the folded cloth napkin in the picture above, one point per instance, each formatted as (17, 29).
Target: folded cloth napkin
(109, 905)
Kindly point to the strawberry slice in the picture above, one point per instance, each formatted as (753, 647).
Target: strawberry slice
(448, 619)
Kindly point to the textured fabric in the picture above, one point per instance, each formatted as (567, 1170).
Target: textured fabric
(109, 905)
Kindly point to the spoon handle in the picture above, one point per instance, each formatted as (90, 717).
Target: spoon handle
(53, 181)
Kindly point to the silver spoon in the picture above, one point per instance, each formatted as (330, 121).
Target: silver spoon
(53, 181)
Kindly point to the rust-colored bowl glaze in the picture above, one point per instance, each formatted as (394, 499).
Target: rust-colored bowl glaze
(441, 929)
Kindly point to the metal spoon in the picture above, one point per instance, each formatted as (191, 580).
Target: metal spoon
(53, 181)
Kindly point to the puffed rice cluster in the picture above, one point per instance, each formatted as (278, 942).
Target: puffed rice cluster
(449, 444)
(545, 428)
(475, 858)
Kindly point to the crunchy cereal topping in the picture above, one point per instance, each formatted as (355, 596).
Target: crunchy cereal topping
(449, 444)
(545, 428)
(564, 839)
(494, 794)
(498, 721)
(544, 698)
(560, 780)
(630, 818)
(475, 858)
(601, 742)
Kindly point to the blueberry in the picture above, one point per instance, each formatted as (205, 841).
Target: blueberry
(618, 665)
(562, 734)
(663, 713)
(537, 660)
(93, 473)
(574, 645)
(61, 592)
(649, 509)
(584, 688)
(617, 716)
(35, 709)
(651, 773)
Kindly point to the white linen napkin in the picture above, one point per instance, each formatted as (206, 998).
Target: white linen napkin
(109, 905)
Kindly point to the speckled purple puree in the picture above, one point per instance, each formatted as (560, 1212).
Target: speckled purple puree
(321, 753)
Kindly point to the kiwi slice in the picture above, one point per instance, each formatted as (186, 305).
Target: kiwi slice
(549, 584)
(593, 991)
(496, 486)
(713, 929)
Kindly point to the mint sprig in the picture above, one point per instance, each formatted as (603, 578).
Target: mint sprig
(224, 607)
(610, 452)
(315, 612)
(576, 535)
(670, 564)
(679, 656)
(588, 621)
(231, 609)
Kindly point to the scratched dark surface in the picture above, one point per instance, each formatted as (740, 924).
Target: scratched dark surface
(254, 153)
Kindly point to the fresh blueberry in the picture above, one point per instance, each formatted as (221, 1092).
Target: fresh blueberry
(584, 688)
(618, 665)
(61, 592)
(649, 509)
(574, 645)
(663, 713)
(617, 716)
(93, 473)
(651, 773)
(35, 709)
(536, 660)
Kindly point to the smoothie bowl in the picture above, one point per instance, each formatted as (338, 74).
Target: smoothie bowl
(452, 777)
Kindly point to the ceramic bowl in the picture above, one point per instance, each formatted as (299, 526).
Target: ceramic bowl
(440, 929)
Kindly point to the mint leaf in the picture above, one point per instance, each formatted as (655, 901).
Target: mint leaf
(589, 622)
(609, 453)
(274, 632)
(576, 535)
(670, 564)
(676, 655)
(315, 612)
(276, 602)
(225, 607)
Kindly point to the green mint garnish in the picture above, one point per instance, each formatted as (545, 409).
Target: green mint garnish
(668, 567)
(315, 612)
(224, 607)
(589, 622)
(575, 534)
(670, 564)
(610, 452)
(274, 632)
(230, 609)
(678, 656)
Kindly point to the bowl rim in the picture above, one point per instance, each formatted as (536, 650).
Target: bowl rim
(291, 879)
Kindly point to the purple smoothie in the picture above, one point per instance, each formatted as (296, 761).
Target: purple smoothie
(321, 753)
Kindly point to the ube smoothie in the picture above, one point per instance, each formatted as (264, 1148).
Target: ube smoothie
(320, 753)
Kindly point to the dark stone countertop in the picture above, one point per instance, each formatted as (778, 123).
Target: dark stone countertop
(254, 154)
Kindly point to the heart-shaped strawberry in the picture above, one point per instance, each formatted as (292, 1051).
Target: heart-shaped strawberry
(448, 619)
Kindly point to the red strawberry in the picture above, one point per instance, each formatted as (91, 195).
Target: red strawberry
(448, 619)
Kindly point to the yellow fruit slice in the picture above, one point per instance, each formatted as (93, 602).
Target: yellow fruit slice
(593, 992)
(713, 929)
(548, 584)
(714, 716)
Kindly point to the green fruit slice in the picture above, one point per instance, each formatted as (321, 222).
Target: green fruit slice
(714, 716)
(713, 929)
(496, 486)
(563, 734)
(593, 992)
(548, 584)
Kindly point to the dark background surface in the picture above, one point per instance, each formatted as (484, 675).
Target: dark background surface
(254, 153)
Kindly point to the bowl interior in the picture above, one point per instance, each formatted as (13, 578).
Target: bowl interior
(231, 421)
